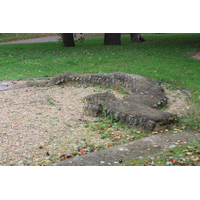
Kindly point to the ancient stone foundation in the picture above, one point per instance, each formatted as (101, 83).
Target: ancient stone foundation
(139, 110)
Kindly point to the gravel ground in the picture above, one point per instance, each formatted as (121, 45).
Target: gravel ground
(31, 118)
(36, 123)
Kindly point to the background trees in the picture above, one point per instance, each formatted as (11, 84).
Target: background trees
(68, 39)
(112, 38)
(136, 37)
(109, 38)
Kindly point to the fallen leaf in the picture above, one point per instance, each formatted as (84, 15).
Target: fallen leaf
(41, 163)
(117, 137)
(149, 162)
(131, 137)
(195, 159)
(175, 161)
(82, 152)
(70, 161)
(183, 142)
(151, 97)
(155, 132)
(64, 156)
(133, 163)
(187, 164)
(155, 145)
(99, 131)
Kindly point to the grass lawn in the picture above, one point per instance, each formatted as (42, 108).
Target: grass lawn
(163, 57)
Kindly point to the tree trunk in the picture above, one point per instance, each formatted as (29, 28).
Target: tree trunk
(68, 39)
(136, 37)
(112, 38)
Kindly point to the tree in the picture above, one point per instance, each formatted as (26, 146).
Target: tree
(112, 38)
(68, 39)
(136, 37)
(109, 38)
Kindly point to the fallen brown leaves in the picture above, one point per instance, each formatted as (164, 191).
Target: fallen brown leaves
(82, 152)
(195, 159)
(66, 156)
(117, 137)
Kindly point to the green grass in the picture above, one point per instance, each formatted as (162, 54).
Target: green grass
(182, 155)
(164, 57)
(103, 125)
(7, 37)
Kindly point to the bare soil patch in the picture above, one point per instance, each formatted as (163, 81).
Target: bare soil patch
(39, 123)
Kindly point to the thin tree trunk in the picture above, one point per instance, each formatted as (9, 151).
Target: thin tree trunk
(112, 38)
(136, 37)
(68, 39)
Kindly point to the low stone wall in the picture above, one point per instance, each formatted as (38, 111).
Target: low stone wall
(137, 110)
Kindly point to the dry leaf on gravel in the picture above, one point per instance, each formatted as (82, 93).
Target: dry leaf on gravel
(117, 137)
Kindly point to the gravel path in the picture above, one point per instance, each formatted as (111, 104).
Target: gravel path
(34, 121)
(35, 40)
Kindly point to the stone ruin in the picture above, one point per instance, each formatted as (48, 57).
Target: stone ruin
(140, 110)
